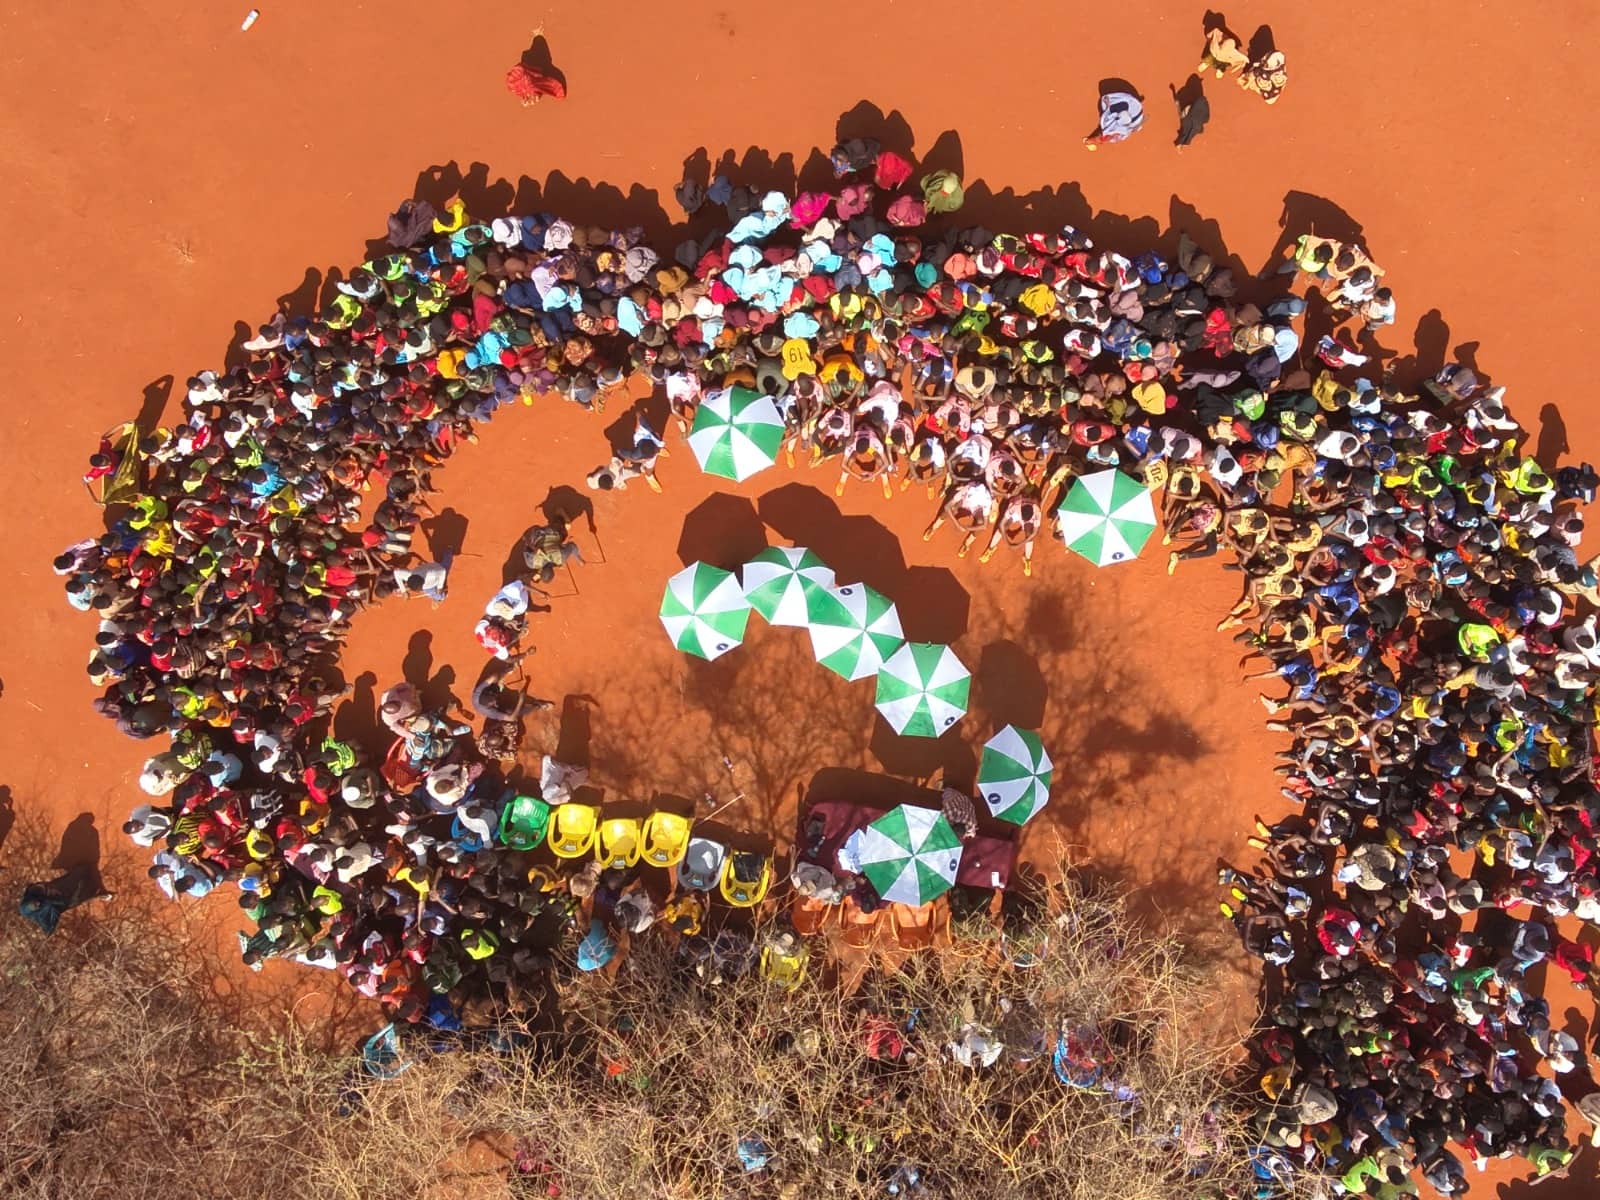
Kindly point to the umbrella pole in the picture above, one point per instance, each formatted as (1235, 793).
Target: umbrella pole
(573, 579)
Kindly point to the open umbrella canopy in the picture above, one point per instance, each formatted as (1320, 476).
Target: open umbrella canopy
(1014, 775)
(786, 584)
(1107, 517)
(704, 611)
(910, 855)
(922, 689)
(855, 630)
(736, 433)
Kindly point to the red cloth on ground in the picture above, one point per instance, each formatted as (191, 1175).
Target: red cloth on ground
(529, 85)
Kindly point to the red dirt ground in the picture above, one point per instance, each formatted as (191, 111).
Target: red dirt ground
(169, 175)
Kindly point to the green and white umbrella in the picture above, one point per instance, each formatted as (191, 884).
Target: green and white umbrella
(736, 433)
(1014, 775)
(855, 631)
(786, 584)
(910, 855)
(1107, 517)
(704, 611)
(922, 689)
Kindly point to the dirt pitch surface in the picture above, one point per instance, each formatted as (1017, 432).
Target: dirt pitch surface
(169, 175)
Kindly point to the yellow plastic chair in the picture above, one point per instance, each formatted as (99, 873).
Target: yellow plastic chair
(745, 879)
(785, 965)
(572, 829)
(666, 839)
(618, 843)
(544, 879)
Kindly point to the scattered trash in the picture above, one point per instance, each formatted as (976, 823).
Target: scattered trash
(250, 18)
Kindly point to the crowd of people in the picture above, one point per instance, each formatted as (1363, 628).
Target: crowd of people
(1410, 577)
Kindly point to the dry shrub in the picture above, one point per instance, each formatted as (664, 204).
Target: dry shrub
(124, 1081)
(114, 1058)
(651, 1081)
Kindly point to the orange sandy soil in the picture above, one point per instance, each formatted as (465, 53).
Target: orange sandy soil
(167, 175)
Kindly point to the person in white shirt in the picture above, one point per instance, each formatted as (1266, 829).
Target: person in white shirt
(424, 579)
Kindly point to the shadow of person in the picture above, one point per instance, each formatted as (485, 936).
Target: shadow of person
(8, 813)
(577, 730)
(1194, 110)
(866, 120)
(946, 154)
(652, 409)
(1261, 44)
(537, 58)
(1433, 343)
(302, 300)
(417, 665)
(80, 844)
(356, 720)
(690, 191)
(1305, 212)
(1205, 232)
(446, 533)
(156, 394)
(567, 504)
(723, 530)
(516, 565)
(1552, 437)
(439, 692)
(234, 355)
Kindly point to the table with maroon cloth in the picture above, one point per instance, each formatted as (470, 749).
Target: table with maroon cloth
(985, 860)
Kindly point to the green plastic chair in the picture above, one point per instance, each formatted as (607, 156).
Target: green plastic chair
(523, 822)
